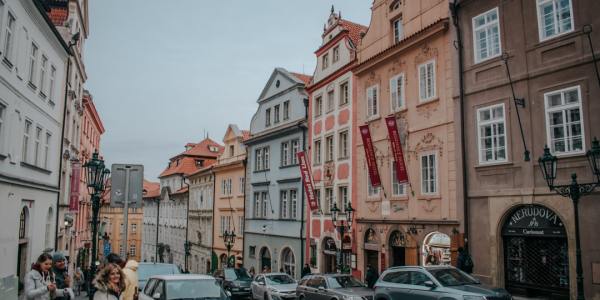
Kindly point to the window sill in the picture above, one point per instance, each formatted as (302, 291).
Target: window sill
(2, 156)
(429, 197)
(288, 166)
(343, 158)
(493, 164)
(343, 105)
(42, 95)
(399, 197)
(400, 110)
(51, 103)
(31, 85)
(7, 63)
(569, 154)
(547, 39)
(35, 168)
(262, 171)
(486, 61)
(373, 118)
(427, 101)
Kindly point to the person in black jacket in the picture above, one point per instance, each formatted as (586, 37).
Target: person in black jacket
(306, 270)
(59, 268)
(464, 261)
(371, 276)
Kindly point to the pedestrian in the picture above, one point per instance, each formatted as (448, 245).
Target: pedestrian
(306, 270)
(109, 283)
(131, 280)
(40, 283)
(114, 258)
(79, 280)
(59, 269)
(371, 276)
(252, 272)
(464, 261)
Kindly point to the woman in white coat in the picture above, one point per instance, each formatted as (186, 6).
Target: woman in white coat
(40, 282)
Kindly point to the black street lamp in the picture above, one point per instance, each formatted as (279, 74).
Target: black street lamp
(96, 177)
(574, 190)
(229, 240)
(342, 225)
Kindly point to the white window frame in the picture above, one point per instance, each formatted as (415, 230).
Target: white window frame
(26, 140)
(344, 93)
(425, 191)
(481, 123)
(268, 117)
(294, 204)
(9, 35)
(395, 181)
(37, 145)
(43, 73)
(398, 98)
(318, 152)
(329, 199)
(329, 148)
(487, 26)
(285, 153)
(325, 61)
(257, 204)
(540, 18)
(295, 147)
(318, 106)
(372, 102)
(51, 82)
(286, 110)
(330, 100)
(343, 197)
(276, 117)
(264, 199)
(564, 107)
(33, 61)
(285, 213)
(372, 191)
(398, 30)
(343, 144)
(3, 108)
(336, 54)
(425, 98)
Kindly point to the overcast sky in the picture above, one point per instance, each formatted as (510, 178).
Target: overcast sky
(162, 73)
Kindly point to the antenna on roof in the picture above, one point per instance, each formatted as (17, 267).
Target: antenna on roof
(303, 69)
(332, 9)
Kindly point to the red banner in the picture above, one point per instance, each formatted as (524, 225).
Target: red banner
(74, 194)
(309, 188)
(401, 173)
(370, 155)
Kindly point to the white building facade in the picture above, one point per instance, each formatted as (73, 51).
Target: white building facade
(202, 189)
(32, 79)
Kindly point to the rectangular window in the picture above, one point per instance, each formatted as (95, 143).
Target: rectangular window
(318, 198)
(2, 110)
(336, 54)
(258, 159)
(52, 82)
(133, 228)
(344, 94)
(268, 117)
(398, 32)
(427, 81)
(317, 153)
(26, 136)
(373, 191)
(284, 205)
(491, 134)
(328, 200)
(37, 145)
(242, 185)
(428, 174)
(241, 226)
(33, 62)
(264, 204)
(397, 92)
(330, 101)
(295, 149)
(285, 154)
(486, 35)
(276, 114)
(343, 147)
(293, 204)
(398, 189)
(372, 102)
(266, 164)
(564, 123)
(132, 250)
(325, 61)
(329, 148)
(286, 110)
(9, 36)
(257, 205)
(555, 17)
(43, 75)
(231, 150)
(343, 196)
(318, 106)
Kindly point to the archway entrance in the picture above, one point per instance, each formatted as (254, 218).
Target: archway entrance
(329, 255)
(372, 248)
(265, 259)
(397, 249)
(536, 261)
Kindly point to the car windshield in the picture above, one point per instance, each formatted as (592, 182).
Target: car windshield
(237, 274)
(452, 277)
(280, 279)
(147, 270)
(338, 282)
(197, 289)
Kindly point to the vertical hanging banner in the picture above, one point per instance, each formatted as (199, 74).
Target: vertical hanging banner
(370, 155)
(394, 135)
(307, 180)
(74, 192)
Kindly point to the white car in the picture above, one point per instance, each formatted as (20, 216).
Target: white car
(274, 286)
(183, 286)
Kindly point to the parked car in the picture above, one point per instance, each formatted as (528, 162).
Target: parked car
(146, 270)
(235, 280)
(332, 286)
(183, 286)
(433, 282)
(274, 286)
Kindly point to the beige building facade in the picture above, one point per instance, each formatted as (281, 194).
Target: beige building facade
(200, 219)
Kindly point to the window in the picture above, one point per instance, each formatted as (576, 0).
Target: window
(52, 80)
(555, 17)
(26, 136)
(343, 147)
(231, 150)
(241, 226)
(43, 75)
(491, 134)
(336, 54)
(318, 106)
(268, 117)
(344, 95)
(564, 121)
(373, 191)
(330, 101)
(2, 110)
(266, 157)
(276, 114)
(317, 153)
(252, 251)
(398, 189)
(284, 205)
(264, 196)
(398, 32)
(9, 36)
(427, 81)
(32, 62)
(132, 250)
(261, 161)
(293, 204)
(325, 61)
(318, 198)
(286, 110)
(257, 205)
(486, 35)
(329, 148)
(37, 144)
(295, 148)
(372, 102)
(397, 92)
(133, 228)
(289, 262)
(242, 185)
(226, 186)
(343, 196)
(285, 154)
(428, 174)
(328, 200)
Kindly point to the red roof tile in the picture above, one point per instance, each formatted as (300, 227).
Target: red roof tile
(151, 189)
(204, 149)
(354, 30)
(58, 15)
(303, 77)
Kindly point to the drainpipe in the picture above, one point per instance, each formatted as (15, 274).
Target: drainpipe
(245, 162)
(454, 9)
(212, 243)
(303, 127)
(186, 245)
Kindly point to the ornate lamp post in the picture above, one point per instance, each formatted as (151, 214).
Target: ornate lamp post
(574, 191)
(342, 225)
(229, 240)
(96, 177)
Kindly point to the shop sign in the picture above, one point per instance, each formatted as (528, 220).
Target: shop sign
(534, 220)
(370, 155)
(307, 181)
(401, 173)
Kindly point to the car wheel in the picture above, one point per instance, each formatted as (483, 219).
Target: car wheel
(266, 296)
(301, 297)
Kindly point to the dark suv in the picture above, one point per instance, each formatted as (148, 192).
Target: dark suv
(433, 282)
(235, 280)
(332, 286)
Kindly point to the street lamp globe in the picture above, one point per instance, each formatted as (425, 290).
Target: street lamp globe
(334, 213)
(593, 156)
(548, 166)
(349, 214)
(94, 173)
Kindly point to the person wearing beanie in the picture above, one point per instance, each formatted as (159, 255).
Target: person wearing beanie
(59, 268)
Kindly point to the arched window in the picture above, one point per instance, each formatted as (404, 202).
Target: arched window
(289, 262)
(265, 259)
(23, 218)
(49, 226)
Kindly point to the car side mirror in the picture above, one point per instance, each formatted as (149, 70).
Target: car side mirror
(430, 284)
(156, 296)
(260, 283)
(321, 289)
(228, 293)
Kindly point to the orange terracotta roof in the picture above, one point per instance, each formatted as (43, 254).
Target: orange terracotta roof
(58, 15)
(303, 77)
(354, 30)
(245, 134)
(203, 148)
(151, 189)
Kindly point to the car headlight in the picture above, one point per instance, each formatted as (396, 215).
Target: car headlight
(235, 289)
(472, 297)
(352, 298)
